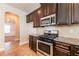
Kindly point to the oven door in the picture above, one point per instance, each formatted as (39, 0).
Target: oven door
(44, 47)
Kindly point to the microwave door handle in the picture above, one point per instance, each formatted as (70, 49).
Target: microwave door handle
(51, 19)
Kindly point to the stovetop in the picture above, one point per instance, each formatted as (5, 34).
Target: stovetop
(48, 37)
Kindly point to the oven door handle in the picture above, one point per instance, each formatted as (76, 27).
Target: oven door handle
(45, 42)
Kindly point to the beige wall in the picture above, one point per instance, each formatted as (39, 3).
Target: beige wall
(1, 30)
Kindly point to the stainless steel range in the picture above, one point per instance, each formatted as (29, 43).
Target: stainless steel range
(45, 42)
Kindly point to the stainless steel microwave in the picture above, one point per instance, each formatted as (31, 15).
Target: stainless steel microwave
(48, 20)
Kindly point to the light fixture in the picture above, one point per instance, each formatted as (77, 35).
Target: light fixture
(39, 11)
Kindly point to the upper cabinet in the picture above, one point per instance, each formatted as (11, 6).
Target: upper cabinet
(45, 10)
(51, 8)
(75, 13)
(29, 18)
(66, 13)
(48, 9)
(36, 18)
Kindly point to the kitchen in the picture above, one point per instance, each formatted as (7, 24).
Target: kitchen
(45, 29)
(61, 18)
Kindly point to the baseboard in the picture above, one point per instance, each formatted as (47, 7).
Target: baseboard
(2, 49)
(24, 43)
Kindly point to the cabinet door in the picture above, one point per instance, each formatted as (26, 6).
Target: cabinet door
(75, 13)
(64, 13)
(31, 17)
(30, 41)
(44, 9)
(76, 50)
(61, 49)
(51, 8)
(27, 19)
(35, 44)
(36, 18)
(48, 9)
(61, 52)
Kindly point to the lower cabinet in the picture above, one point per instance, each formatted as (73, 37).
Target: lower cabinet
(61, 49)
(61, 52)
(64, 49)
(76, 50)
(33, 43)
(30, 41)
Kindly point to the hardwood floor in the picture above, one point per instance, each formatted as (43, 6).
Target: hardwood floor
(17, 50)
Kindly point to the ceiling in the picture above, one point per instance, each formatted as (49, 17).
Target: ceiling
(26, 7)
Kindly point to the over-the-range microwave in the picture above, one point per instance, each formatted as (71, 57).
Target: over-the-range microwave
(48, 20)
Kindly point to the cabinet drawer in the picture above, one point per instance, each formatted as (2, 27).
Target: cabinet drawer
(77, 50)
(61, 52)
(33, 43)
(76, 54)
(62, 45)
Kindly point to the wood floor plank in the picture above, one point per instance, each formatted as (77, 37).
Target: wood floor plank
(17, 50)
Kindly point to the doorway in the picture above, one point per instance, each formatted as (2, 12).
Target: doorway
(12, 29)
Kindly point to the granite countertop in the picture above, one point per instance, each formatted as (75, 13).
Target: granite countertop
(73, 41)
(35, 35)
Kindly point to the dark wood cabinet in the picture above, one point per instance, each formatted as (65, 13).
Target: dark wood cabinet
(75, 13)
(29, 18)
(64, 13)
(76, 51)
(43, 8)
(34, 19)
(48, 9)
(33, 43)
(30, 41)
(36, 16)
(65, 49)
(61, 49)
(67, 13)
(61, 52)
(51, 8)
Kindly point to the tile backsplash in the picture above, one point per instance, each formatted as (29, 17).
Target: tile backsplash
(71, 31)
